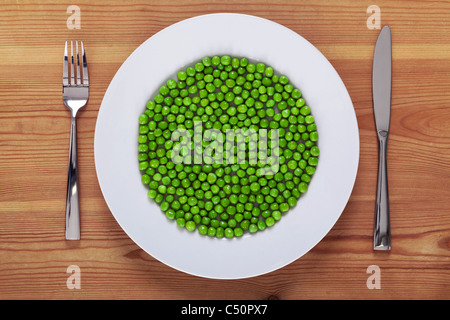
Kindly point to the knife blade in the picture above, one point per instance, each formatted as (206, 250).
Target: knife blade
(382, 79)
(381, 95)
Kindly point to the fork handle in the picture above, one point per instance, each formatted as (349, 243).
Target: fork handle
(72, 203)
(382, 230)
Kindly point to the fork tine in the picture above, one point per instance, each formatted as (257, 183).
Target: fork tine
(65, 67)
(85, 69)
(72, 68)
(78, 66)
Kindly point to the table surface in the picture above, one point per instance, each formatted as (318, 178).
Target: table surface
(34, 139)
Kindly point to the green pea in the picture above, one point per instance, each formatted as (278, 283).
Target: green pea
(143, 119)
(238, 232)
(229, 232)
(181, 222)
(314, 136)
(276, 215)
(261, 225)
(315, 151)
(284, 207)
(269, 72)
(251, 68)
(190, 225)
(225, 60)
(143, 165)
(253, 228)
(202, 229)
(215, 61)
(199, 67)
(181, 75)
(211, 231)
(219, 232)
(302, 187)
(170, 214)
(313, 161)
(270, 221)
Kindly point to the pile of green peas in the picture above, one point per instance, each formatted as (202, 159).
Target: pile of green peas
(220, 199)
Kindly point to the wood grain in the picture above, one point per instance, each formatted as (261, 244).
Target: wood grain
(34, 137)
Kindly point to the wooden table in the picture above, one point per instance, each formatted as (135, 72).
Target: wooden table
(34, 139)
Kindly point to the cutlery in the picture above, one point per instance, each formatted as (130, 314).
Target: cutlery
(381, 91)
(75, 91)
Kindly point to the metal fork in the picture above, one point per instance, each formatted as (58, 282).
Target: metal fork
(75, 91)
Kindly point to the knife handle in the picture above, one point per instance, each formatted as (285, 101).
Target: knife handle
(382, 230)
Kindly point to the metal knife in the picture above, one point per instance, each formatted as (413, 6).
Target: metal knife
(381, 94)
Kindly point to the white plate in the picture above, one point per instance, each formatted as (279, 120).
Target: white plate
(158, 59)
